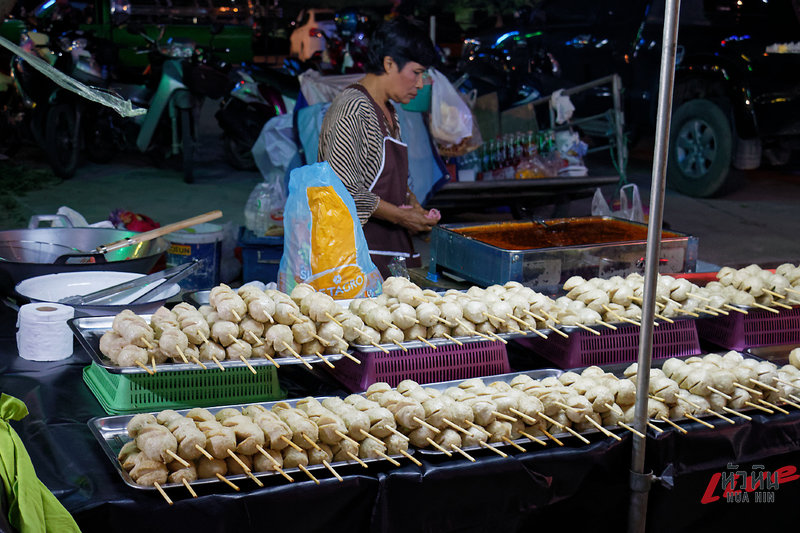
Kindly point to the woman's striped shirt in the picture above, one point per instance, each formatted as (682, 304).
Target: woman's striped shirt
(352, 143)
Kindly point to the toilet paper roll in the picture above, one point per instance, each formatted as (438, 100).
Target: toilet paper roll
(43, 333)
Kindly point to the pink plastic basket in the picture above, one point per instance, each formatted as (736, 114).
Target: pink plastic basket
(424, 364)
(757, 328)
(583, 348)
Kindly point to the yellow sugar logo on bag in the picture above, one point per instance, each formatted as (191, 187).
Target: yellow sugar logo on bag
(333, 245)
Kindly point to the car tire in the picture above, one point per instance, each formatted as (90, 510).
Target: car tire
(700, 148)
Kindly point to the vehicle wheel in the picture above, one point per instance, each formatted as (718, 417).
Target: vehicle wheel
(700, 148)
(237, 154)
(187, 145)
(62, 139)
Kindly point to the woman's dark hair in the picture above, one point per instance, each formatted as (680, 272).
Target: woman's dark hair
(403, 41)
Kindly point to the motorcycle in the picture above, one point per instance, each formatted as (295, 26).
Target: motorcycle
(243, 112)
(179, 77)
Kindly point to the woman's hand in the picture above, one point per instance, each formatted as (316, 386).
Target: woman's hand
(414, 218)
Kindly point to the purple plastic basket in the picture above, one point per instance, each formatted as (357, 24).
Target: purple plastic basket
(583, 348)
(424, 364)
(757, 328)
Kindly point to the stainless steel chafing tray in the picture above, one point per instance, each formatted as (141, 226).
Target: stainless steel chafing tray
(544, 254)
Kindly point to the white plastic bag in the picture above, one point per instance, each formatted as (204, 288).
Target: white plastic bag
(263, 212)
(562, 105)
(451, 118)
(630, 204)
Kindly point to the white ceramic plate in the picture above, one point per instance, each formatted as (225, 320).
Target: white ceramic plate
(54, 287)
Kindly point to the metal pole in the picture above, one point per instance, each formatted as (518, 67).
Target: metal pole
(639, 480)
(619, 128)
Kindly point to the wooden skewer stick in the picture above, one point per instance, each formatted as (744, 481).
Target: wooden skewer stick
(163, 494)
(146, 342)
(691, 403)
(488, 315)
(189, 488)
(490, 447)
(443, 321)
(532, 421)
(357, 459)
(144, 367)
(474, 425)
(620, 317)
(534, 315)
(616, 408)
(308, 473)
(290, 443)
(324, 359)
(551, 437)
(773, 406)
(566, 428)
(559, 332)
(275, 465)
(236, 315)
(692, 417)
(685, 312)
(632, 430)
(760, 384)
(748, 389)
(236, 458)
(399, 345)
(423, 423)
(775, 294)
(709, 312)
(667, 319)
(178, 458)
(502, 416)
(518, 321)
(498, 337)
(248, 365)
(312, 443)
(793, 397)
(197, 361)
(448, 337)
(732, 308)
(654, 427)
(356, 360)
(790, 289)
(789, 402)
(393, 430)
(410, 457)
(723, 417)
(606, 432)
(765, 308)
(782, 305)
(370, 436)
(230, 483)
(256, 338)
(254, 478)
(153, 363)
(671, 423)
(390, 459)
(346, 437)
(549, 316)
(712, 389)
(222, 368)
(381, 348)
(606, 324)
(787, 383)
(657, 398)
(443, 450)
(514, 444)
(426, 341)
(467, 456)
(205, 339)
(455, 426)
(587, 328)
(296, 355)
(327, 314)
(718, 310)
(737, 413)
(204, 452)
(532, 438)
(759, 407)
(515, 330)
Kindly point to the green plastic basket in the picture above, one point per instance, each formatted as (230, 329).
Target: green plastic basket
(134, 393)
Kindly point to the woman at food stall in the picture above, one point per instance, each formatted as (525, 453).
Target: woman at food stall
(360, 139)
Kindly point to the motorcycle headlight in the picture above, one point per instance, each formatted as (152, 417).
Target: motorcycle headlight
(177, 49)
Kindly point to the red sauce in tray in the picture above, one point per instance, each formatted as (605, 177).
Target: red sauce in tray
(555, 233)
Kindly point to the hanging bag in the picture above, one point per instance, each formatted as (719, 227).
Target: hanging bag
(451, 118)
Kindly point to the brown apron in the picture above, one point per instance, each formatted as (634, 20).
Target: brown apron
(387, 240)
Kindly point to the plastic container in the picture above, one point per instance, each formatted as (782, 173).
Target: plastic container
(424, 365)
(757, 328)
(134, 393)
(203, 241)
(261, 256)
(583, 348)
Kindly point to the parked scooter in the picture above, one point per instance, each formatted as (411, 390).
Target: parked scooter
(244, 111)
(180, 77)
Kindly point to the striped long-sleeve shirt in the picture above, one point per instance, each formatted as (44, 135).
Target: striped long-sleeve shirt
(352, 143)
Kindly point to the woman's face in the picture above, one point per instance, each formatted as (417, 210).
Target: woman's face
(404, 83)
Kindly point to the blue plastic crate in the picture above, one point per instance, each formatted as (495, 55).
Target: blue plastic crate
(261, 256)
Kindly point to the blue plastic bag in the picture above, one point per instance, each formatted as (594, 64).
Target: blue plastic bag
(323, 243)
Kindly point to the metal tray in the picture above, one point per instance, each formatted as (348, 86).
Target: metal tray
(112, 435)
(88, 330)
(774, 354)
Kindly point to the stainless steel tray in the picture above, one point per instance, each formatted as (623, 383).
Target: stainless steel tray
(112, 435)
(88, 330)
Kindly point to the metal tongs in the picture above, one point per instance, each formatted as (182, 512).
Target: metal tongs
(171, 275)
